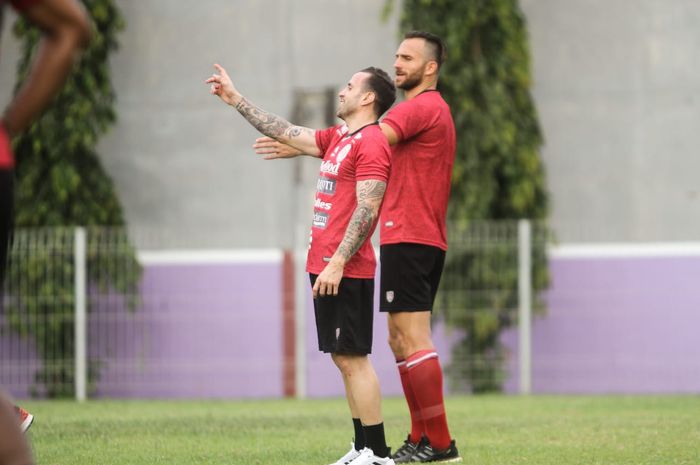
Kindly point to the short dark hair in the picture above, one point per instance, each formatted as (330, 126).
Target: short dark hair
(383, 87)
(436, 47)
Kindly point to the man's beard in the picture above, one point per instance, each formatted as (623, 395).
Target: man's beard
(343, 113)
(410, 82)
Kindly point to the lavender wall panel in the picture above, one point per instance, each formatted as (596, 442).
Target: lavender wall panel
(201, 331)
(614, 325)
(617, 325)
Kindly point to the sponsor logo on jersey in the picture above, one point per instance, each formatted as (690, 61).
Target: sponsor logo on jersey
(339, 154)
(343, 153)
(320, 220)
(329, 167)
(389, 224)
(325, 185)
(321, 205)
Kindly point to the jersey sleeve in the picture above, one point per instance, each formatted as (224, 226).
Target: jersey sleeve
(373, 159)
(324, 138)
(6, 158)
(21, 5)
(407, 119)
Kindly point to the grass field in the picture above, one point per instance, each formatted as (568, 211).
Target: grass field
(489, 430)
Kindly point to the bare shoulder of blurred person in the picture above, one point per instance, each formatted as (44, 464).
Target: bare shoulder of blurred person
(66, 29)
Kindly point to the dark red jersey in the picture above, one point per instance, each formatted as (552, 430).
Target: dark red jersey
(415, 203)
(347, 159)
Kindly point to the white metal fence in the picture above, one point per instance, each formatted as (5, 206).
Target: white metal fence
(79, 315)
(86, 314)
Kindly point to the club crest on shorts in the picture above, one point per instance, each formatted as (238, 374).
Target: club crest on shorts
(337, 333)
(390, 296)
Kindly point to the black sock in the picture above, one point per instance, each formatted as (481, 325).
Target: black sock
(376, 441)
(360, 442)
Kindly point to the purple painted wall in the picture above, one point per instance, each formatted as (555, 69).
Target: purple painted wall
(614, 325)
(202, 331)
(617, 325)
(18, 361)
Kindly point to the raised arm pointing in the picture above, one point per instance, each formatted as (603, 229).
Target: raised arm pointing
(267, 123)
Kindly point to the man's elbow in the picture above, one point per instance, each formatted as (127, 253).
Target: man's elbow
(82, 31)
(78, 31)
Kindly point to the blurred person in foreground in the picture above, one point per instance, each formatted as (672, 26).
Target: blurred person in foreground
(341, 261)
(413, 238)
(65, 28)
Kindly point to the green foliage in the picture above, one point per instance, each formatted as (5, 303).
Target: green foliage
(498, 173)
(61, 183)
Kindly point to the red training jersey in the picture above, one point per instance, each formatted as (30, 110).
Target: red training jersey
(347, 159)
(7, 160)
(415, 203)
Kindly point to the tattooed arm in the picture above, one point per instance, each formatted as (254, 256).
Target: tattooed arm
(369, 198)
(267, 123)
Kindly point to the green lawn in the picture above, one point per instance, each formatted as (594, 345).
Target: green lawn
(489, 430)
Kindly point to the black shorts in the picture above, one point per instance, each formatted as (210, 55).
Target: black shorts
(6, 218)
(344, 322)
(410, 276)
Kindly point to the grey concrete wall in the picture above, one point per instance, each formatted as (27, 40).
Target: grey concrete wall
(181, 160)
(617, 83)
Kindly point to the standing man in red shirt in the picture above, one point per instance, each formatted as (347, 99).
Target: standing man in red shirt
(414, 238)
(65, 29)
(340, 261)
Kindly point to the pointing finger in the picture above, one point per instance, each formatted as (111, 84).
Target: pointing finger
(220, 69)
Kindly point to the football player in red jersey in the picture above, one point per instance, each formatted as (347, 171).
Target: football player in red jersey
(341, 261)
(414, 240)
(65, 29)
(413, 237)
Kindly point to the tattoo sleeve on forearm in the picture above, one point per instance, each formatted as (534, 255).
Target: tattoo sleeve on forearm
(369, 199)
(268, 123)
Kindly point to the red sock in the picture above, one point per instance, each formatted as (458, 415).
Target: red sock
(417, 426)
(425, 375)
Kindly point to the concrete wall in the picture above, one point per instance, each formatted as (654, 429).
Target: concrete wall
(617, 85)
(180, 159)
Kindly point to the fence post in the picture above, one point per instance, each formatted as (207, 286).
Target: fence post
(301, 285)
(80, 266)
(525, 304)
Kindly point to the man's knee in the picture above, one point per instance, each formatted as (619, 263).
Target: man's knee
(408, 334)
(396, 343)
(347, 364)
